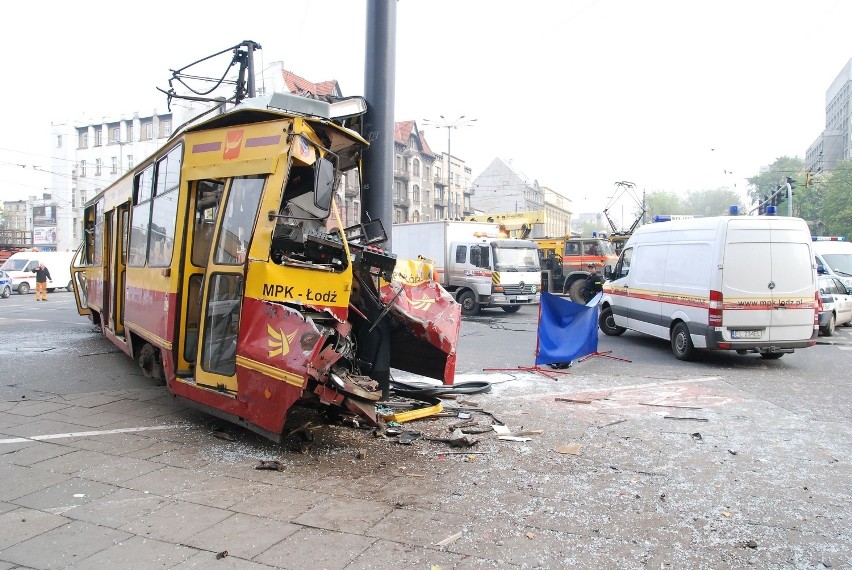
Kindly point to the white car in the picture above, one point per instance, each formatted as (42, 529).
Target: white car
(836, 304)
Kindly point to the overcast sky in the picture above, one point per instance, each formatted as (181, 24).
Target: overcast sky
(578, 94)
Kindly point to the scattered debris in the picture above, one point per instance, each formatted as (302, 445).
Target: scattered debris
(573, 400)
(726, 514)
(697, 436)
(570, 449)
(531, 432)
(465, 452)
(270, 465)
(407, 437)
(304, 431)
(530, 535)
(732, 452)
(415, 414)
(457, 439)
(450, 539)
(686, 418)
(223, 435)
(502, 430)
(513, 438)
(613, 423)
(362, 453)
(464, 415)
(749, 544)
(221, 555)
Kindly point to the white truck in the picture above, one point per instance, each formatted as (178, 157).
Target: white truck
(480, 267)
(21, 268)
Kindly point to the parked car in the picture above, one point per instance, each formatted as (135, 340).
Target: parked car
(836, 304)
(5, 285)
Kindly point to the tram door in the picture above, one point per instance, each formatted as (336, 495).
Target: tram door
(109, 224)
(214, 291)
(117, 258)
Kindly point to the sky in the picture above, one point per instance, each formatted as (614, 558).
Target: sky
(578, 94)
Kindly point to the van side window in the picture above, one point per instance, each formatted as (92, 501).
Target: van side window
(622, 268)
(591, 248)
(461, 254)
(572, 248)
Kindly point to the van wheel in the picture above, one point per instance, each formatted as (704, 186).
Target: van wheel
(511, 308)
(70, 287)
(6, 292)
(469, 306)
(681, 343)
(575, 291)
(771, 355)
(828, 329)
(52, 290)
(607, 323)
(23, 288)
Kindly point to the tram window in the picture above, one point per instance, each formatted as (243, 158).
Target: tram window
(238, 221)
(139, 235)
(222, 324)
(162, 231)
(168, 171)
(143, 184)
(209, 194)
(97, 252)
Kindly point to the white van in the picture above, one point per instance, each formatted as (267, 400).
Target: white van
(21, 266)
(834, 257)
(731, 283)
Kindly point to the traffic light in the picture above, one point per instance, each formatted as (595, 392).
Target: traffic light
(792, 184)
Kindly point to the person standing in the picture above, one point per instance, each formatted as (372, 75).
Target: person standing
(593, 284)
(42, 276)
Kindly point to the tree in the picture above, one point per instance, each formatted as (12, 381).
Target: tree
(711, 202)
(764, 184)
(661, 203)
(836, 211)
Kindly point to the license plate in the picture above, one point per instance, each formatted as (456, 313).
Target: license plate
(746, 334)
(522, 298)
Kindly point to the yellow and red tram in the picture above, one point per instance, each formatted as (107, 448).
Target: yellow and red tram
(221, 265)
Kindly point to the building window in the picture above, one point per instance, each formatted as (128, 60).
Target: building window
(58, 141)
(99, 133)
(129, 131)
(114, 168)
(116, 134)
(129, 161)
(416, 167)
(416, 192)
(165, 128)
(97, 167)
(83, 141)
(147, 131)
(398, 162)
(82, 168)
(427, 174)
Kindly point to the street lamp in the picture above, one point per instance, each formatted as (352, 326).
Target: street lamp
(462, 121)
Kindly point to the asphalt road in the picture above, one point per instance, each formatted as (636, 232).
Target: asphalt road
(647, 462)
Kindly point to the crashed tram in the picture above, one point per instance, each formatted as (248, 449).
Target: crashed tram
(221, 266)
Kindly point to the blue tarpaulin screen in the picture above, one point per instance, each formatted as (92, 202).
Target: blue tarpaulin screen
(566, 330)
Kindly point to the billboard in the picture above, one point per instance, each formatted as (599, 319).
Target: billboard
(44, 235)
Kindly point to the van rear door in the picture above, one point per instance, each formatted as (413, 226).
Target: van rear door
(794, 282)
(767, 282)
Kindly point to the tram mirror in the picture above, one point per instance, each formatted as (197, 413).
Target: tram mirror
(323, 184)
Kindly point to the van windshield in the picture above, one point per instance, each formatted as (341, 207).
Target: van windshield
(839, 262)
(14, 264)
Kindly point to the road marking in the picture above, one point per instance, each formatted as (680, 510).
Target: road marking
(653, 384)
(87, 433)
(12, 321)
